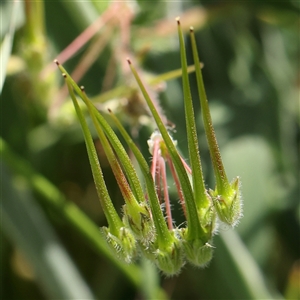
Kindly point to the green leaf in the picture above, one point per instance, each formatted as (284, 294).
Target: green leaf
(245, 277)
(25, 224)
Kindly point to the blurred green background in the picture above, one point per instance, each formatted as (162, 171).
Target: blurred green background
(51, 246)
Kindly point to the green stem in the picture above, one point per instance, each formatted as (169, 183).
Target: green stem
(35, 23)
(170, 75)
(123, 91)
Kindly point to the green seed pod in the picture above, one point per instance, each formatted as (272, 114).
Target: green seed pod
(139, 220)
(229, 204)
(124, 245)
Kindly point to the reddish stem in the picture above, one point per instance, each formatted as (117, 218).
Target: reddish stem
(177, 183)
(166, 192)
(158, 182)
(186, 166)
(154, 158)
(83, 38)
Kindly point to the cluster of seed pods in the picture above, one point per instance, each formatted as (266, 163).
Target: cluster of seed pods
(145, 228)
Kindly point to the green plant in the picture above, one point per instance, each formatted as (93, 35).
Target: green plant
(48, 200)
(142, 227)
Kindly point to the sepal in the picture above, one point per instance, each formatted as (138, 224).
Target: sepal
(229, 204)
(170, 259)
(124, 245)
(139, 220)
(198, 252)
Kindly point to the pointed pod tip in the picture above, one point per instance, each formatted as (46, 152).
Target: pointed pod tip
(128, 60)
(178, 20)
(56, 62)
(109, 110)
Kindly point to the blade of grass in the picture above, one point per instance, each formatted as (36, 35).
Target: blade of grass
(26, 226)
(248, 280)
(53, 198)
